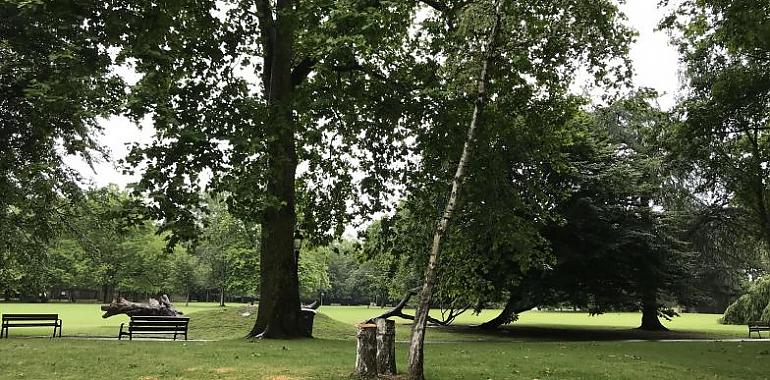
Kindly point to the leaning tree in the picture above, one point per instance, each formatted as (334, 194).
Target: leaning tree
(495, 60)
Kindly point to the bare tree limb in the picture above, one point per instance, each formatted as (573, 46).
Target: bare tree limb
(398, 310)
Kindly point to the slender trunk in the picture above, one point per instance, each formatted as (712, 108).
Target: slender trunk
(106, 293)
(222, 296)
(416, 352)
(279, 307)
(187, 300)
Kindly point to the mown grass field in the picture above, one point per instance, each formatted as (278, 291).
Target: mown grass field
(449, 355)
(86, 320)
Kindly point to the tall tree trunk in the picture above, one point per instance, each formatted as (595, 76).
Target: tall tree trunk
(416, 349)
(650, 319)
(222, 296)
(279, 304)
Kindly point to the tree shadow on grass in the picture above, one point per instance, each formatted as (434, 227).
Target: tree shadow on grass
(577, 334)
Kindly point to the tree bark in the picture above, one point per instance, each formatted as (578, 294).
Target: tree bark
(416, 352)
(221, 296)
(650, 320)
(279, 305)
(366, 351)
(386, 347)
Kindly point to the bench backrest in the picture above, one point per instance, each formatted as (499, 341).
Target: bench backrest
(759, 324)
(159, 323)
(30, 317)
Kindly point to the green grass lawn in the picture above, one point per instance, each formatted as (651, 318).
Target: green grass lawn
(82, 319)
(449, 355)
(703, 324)
(86, 320)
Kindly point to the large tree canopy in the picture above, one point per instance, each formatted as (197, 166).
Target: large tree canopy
(54, 83)
(326, 91)
(726, 106)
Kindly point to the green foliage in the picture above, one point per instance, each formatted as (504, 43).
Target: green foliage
(724, 141)
(55, 81)
(752, 306)
(229, 250)
(314, 272)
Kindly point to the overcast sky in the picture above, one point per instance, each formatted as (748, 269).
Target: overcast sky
(656, 66)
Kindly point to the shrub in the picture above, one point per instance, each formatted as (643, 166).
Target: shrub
(752, 306)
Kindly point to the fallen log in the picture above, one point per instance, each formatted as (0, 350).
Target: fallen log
(153, 307)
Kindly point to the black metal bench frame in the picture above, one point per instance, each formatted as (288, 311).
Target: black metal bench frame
(31, 320)
(758, 326)
(152, 325)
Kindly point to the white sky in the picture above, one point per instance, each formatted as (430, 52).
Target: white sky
(656, 65)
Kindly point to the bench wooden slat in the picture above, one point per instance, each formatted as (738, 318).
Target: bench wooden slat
(30, 320)
(15, 317)
(157, 328)
(758, 327)
(153, 325)
(160, 323)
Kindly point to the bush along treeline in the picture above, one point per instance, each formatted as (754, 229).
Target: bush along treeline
(752, 306)
(105, 247)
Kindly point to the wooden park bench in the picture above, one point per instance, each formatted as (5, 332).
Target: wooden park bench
(152, 325)
(31, 320)
(758, 326)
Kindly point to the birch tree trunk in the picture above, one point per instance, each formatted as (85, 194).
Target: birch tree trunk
(416, 352)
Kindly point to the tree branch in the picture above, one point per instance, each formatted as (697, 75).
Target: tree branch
(355, 66)
(301, 71)
(267, 38)
(398, 310)
(435, 4)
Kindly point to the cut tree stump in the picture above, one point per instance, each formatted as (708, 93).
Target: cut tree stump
(386, 347)
(366, 351)
(153, 307)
